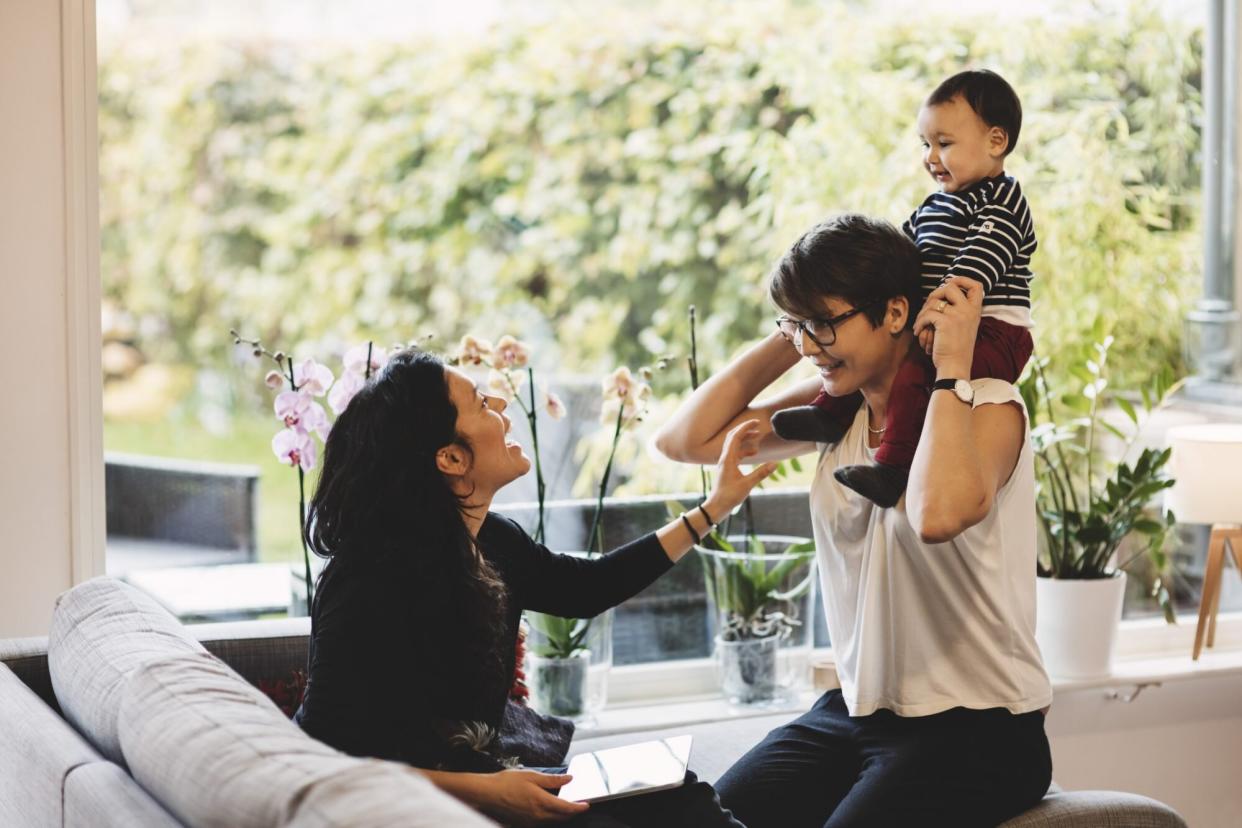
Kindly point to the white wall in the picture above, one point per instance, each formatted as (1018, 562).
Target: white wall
(35, 488)
(1180, 743)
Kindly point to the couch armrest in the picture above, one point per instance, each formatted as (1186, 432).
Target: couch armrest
(1097, 809)
(258, 650)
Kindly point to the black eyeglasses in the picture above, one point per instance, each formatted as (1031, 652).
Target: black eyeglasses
(823, 332)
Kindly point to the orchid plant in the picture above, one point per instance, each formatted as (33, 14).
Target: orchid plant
(625, 399)
(303, 416)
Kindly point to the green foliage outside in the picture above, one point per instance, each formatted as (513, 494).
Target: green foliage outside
(579, 181)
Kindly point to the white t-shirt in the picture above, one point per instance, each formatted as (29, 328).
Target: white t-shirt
(921, 628)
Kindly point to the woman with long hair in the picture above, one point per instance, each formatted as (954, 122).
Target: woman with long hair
(416, 614)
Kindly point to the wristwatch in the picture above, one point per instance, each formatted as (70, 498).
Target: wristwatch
(961, 388)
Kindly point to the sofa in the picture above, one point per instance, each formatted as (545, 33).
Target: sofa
(124, 717)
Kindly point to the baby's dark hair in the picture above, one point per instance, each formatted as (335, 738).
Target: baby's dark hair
(989, 95)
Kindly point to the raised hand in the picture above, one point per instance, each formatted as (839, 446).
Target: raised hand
(732, 484)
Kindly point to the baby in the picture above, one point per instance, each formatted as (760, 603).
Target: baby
(978, 225)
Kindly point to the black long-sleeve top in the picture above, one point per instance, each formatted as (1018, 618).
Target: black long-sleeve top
(378, 686)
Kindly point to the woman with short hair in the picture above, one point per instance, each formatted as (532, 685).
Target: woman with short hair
(930, 604)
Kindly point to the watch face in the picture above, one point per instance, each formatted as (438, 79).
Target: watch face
(964, 390)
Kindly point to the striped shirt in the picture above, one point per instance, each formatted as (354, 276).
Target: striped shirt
(983, 232)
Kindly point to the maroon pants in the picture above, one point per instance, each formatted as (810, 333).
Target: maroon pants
(1001, 351)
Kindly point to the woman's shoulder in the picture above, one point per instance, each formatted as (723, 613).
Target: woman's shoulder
(502, 532)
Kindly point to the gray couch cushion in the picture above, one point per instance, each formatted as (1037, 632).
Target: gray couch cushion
(217, 752)
(50, 776)
(101, 795)
(1097, 809)
(102, 630)
(37, 752)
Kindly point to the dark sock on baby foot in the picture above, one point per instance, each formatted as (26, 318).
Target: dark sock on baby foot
(806, 424)
(880, 484)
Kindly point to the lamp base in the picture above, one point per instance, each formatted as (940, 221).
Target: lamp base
(1224, 536)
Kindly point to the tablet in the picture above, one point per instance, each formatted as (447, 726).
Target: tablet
(640, 768)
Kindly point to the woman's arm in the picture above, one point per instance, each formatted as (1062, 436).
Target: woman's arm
(965, 455)
(514, 797)
(696, 431)
(581, 588)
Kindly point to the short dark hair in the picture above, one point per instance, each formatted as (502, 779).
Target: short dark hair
(989, 95)
(852, 256)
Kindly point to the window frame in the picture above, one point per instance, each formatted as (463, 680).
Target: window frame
(628, 684)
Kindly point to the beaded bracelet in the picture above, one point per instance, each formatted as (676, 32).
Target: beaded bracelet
(690, 528)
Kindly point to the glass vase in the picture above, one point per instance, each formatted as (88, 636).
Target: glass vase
(761, 595)
(567, 665)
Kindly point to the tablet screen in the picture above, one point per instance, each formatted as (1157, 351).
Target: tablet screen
(628, 770)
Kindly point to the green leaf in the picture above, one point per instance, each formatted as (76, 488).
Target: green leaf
(1128, 409)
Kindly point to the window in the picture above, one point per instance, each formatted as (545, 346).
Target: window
(324, 175)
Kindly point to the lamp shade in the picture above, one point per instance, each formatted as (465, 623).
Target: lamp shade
(1207, 464)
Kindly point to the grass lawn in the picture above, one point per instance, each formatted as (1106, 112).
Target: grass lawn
(248, 442)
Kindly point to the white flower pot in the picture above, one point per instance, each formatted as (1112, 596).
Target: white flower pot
(1076, 624)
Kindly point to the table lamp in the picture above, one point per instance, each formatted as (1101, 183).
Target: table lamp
(1207, 465)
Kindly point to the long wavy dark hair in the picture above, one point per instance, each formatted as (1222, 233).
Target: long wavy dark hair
(382, 500)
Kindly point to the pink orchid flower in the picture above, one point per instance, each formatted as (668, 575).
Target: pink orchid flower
(294, 448)
(356, 359)
(619, 385)
(473, 351)
(312, 378)
(510, 353)
(298, 411)
(623, 394)
(554, 405)
(316, 421)
(344, 390)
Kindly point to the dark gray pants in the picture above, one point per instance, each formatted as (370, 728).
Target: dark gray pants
(957, 768)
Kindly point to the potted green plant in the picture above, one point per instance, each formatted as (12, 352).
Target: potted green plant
(1097, 515)
(761, 592)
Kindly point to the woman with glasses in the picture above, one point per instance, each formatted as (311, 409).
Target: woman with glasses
(930, 605)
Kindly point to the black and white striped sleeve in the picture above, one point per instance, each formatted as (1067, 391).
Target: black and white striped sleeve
(991, 245)
(908, 227)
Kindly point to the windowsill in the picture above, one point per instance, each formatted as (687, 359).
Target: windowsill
(1141, 662)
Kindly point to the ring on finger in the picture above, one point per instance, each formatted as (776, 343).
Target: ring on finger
(940, 308)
